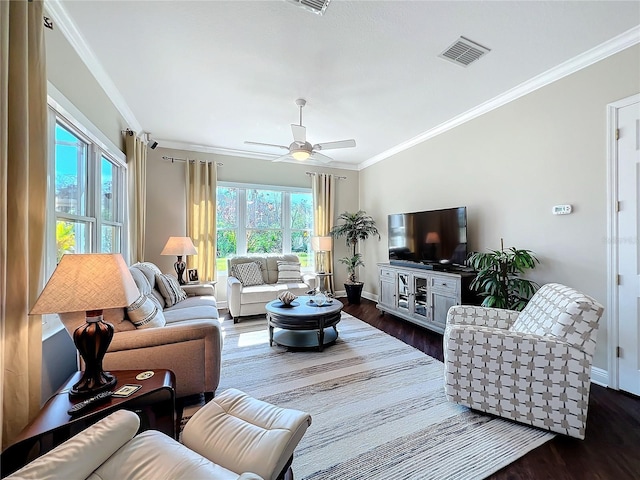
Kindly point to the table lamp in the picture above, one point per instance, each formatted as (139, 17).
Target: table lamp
(321, 245)
(179, 246)
(90, 283)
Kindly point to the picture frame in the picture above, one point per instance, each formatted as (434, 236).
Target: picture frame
(192, 275)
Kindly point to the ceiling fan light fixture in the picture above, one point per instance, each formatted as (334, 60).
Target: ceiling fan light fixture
(300, 154)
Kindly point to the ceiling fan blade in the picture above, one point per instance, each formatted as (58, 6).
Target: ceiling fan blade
(299, 133)
(320, 158)
(266, 145)
(338, 144)
(283, 157)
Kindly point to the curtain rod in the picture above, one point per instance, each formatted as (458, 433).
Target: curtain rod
(337, 177)
(172, 160)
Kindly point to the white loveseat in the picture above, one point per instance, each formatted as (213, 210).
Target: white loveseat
(251, 300)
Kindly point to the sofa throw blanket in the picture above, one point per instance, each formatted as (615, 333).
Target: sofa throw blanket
(248, 273)
(289, 272)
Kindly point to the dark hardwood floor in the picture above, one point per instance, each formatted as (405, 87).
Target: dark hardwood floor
(611, 449)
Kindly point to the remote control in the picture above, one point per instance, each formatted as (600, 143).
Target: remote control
(78, 407)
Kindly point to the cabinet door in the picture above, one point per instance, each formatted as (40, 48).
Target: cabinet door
(387, 289)
(441, 303)
(421, 298)
(404, 293)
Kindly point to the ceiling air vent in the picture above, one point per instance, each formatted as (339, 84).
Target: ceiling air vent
(315, 6)
(464, 52)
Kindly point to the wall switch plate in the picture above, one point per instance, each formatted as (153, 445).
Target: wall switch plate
(562, 209)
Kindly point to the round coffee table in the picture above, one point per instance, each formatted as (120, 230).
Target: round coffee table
(303, 324)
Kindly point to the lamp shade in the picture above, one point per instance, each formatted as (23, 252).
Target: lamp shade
(83, 282)
(179, 246)
(321, 244)
(432, 237)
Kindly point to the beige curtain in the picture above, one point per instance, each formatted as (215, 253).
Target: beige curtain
(23, 157)
(323, 188)
(201, 216)
(136, 151)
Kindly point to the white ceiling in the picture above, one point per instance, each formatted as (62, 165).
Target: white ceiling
(208, 75)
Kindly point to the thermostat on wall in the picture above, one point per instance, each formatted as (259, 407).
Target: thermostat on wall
(561, 209)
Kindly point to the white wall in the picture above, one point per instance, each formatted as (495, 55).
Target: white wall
(166, 207)
(509, 167)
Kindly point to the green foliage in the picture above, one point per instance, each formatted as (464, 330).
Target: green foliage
(65, 239)
(352, 263)
(264, 241)
(498, 278)
(355, 227)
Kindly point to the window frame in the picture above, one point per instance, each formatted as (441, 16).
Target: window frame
(241, 208)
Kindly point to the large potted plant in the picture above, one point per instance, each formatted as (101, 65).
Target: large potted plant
(498, 279)
(355, 227)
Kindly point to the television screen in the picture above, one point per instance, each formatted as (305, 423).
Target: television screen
(435, 236)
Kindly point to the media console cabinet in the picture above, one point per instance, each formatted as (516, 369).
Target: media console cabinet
(422, 296)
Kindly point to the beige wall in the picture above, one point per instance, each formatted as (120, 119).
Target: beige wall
(166, 196)
(67, 72)
(509, 167)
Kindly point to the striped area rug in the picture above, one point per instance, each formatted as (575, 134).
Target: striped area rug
(378, 407)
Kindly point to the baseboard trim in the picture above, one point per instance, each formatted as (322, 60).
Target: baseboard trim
(600, 376)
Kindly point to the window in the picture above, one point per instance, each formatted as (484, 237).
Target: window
(86, 203)
(88, 195)
(262, 220)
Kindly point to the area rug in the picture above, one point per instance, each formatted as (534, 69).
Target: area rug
(377, 404)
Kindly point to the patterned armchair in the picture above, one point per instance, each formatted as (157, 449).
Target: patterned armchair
(531, 366)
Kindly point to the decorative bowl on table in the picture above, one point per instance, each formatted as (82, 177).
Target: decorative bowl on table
(287, 297)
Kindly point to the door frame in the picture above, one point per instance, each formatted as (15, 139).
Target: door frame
(612, 245)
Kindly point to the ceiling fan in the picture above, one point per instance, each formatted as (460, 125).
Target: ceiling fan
(300, 149)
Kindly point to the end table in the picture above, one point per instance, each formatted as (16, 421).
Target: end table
(154, 403)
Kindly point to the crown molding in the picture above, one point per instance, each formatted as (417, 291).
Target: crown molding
(74, 37)
(611, 47)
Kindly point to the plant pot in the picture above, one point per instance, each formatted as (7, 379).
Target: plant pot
(354, 292)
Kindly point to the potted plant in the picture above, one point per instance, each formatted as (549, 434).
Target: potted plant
(355, 227)
(498, 279)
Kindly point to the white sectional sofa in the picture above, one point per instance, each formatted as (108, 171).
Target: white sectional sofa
(251, 300)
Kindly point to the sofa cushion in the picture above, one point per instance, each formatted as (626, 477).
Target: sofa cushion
(289, 272)
(145, 313)
(248, 273)
(195, 301)
(271, 262)
(198, 312)
(270, 291)
(170, 289)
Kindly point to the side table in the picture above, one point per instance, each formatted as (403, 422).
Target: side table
(154, 403)
(322, 280)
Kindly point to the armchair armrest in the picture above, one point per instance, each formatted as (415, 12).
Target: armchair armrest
(481, 316)
(79, 456)
(234, 290)
(171, 333)
(198, 290)
(310, 279)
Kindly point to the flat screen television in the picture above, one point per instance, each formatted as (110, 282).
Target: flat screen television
(430, 237)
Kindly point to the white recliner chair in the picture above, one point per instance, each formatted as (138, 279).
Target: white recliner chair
(232, 437)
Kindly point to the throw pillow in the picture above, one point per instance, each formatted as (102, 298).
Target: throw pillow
(249, 274)
(144, 313)
(289, 272)
(170, 289)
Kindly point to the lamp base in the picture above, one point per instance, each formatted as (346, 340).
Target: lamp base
(180, 266)
(86, 387)
(92, 340)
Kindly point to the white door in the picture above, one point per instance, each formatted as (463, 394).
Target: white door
(629, 248)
